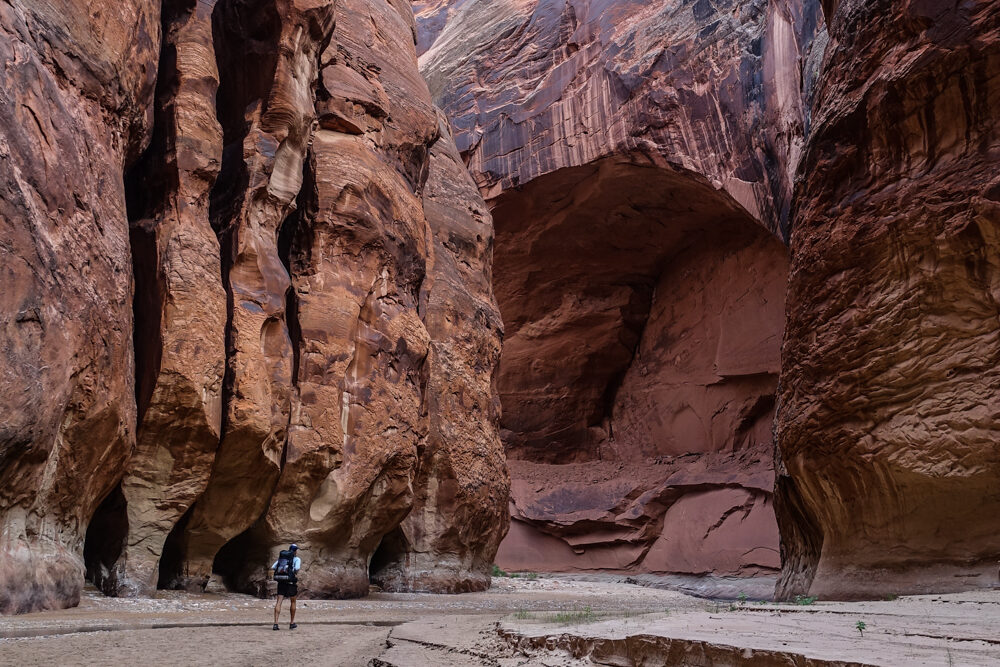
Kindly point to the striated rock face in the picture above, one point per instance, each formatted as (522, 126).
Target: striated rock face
(75, 94)
(315, 335)
(636, 157)
(887, 423)
(713, 87)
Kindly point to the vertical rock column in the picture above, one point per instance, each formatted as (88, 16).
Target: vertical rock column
(357, 261)
(181, 305)
(75, 107)
(888, 414)
(448, 541)
(265, 156)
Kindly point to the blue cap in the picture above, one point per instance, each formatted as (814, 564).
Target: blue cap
(293, 547)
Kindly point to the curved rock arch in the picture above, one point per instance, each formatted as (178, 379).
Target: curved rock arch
(643, 312)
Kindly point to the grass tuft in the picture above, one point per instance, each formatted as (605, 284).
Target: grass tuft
(585, 615)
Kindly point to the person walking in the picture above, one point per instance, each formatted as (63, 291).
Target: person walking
(286, 570)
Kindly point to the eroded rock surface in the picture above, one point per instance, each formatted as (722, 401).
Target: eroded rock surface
(75, 94)
(315, 333)
(459, 512)
(887, 427)
(635, 157)
(333, 429)
(180, 307)
(717, 88)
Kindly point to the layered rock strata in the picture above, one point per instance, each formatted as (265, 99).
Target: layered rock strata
(75, 107)
(635, 157)
(718, 88)
(315, 333)
(887, 426)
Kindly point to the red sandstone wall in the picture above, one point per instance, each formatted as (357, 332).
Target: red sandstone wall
(887, 428)
(313, 336)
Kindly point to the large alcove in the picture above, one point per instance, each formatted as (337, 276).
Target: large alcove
(643, 312)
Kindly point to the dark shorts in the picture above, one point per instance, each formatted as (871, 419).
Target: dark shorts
(288, 589)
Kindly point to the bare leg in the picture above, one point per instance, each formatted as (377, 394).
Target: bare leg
(277, 608)
(292, 608)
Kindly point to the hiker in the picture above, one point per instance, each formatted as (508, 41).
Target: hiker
(285, 570)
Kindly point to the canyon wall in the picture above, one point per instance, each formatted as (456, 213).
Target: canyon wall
(638, 160)
(249, 293)
(310, 350)
(76, 96)
(887, 423)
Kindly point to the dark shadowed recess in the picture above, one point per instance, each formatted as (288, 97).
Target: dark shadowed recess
(240, 558)
(172, 558)
(386, 564)
(105, 540)
(149, 185)
(582, 257)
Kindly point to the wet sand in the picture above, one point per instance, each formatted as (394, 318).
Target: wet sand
(518, 622)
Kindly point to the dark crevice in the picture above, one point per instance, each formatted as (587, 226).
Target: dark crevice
(389, 556)
(761, 408)
(147, 338)
(290, 242)
(245, 35)
(105, 540)
(240, 558)
(150, 184)
(172, 559)
(290, 247)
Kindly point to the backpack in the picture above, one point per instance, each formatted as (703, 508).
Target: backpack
(284, 572)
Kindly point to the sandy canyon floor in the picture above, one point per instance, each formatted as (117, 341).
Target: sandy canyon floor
(543, 621)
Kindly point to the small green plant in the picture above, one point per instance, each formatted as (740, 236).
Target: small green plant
(891, 598)
(805, 599)
(514, 575)
(742, 597)
(585, 615)
(522, 614)
(531, 575)
(497, 572)
(860, 625)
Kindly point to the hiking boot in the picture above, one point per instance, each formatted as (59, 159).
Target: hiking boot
(292, 626)
(275, 627)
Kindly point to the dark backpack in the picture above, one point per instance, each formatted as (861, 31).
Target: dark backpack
(284, 571)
